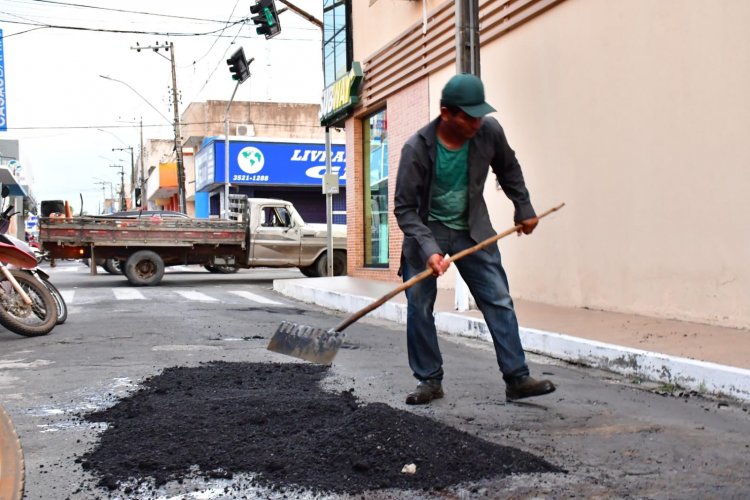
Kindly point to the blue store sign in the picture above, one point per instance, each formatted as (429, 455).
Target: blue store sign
(260, 163)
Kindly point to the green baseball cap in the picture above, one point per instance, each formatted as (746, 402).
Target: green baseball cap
(466, 91)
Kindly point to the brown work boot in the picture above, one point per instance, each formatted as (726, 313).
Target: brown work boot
(526, 387)
(426, 391)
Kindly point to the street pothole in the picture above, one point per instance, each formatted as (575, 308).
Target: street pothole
(274, 423)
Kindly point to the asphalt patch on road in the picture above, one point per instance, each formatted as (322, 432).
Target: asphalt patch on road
(274, 422)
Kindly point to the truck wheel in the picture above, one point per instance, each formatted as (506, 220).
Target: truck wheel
(309, 271)
(112, 266)
(144, 268)
(339, 264)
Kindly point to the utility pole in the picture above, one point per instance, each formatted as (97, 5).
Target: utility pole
(467, 37)
(132, 169)
(123, 206)
(143, 173)
(177, 132)
(178, 139)
(104, 193)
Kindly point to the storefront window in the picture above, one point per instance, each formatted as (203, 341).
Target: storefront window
(336, 41)
(375, 138)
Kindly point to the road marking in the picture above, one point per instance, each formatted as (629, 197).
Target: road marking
(256, 298)
(193, 295)
(68, 295)
(66, 269)
(128, 294)
(179, 269)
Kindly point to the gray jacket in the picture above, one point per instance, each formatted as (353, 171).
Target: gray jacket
(416, 171)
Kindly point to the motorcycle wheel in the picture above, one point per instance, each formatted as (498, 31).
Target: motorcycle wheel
(33, 320)
(62, 307)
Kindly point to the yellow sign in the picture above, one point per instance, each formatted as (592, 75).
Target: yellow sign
(341, 96)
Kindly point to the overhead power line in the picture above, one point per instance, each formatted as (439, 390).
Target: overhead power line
(217, 33)
(134, 32)
(135, 126)
(66, 4)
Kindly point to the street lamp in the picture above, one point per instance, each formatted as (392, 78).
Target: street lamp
(177, 143)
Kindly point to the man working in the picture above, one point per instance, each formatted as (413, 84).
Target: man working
(440, 207)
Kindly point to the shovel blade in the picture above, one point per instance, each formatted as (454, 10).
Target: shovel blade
(305, 342)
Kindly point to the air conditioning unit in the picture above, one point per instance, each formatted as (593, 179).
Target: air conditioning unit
(245, 129)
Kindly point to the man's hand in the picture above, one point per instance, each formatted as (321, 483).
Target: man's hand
(528, 225)
(438, 264)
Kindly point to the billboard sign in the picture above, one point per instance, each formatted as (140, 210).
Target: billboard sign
(268, 163)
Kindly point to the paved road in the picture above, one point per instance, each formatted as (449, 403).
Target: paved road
(616, 437)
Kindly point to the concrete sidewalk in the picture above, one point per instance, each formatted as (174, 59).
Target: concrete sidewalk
(704, 358)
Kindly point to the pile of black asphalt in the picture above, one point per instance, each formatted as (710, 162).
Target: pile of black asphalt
(274, 423)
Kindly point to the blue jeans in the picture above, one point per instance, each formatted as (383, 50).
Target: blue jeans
(484, 275)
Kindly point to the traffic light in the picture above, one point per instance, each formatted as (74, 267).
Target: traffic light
(267, 19)
(137, 197)
(239, 66)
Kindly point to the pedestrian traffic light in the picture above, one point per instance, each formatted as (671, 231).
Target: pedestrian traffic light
(267, 18)
(238, 66)
(137, 197)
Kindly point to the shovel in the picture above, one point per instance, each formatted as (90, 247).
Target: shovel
(320, 346)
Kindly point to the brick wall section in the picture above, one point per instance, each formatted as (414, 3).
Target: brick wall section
(408, 110)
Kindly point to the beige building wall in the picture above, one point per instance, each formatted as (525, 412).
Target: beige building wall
(254, 119)
(634, 113)
(393, 18)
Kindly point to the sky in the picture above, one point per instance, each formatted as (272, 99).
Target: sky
(69, 119)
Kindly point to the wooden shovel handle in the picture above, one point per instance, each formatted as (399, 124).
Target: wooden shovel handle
(428, 272)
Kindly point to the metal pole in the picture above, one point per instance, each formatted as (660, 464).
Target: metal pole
(122, 186)
(329, 208)
(178, 138)
(474, 38)
(122, 189)
(144, 200)
(226, 152)
(467, 37)
(460, 8)
(467, 61)
(133, 177)
(317, 22)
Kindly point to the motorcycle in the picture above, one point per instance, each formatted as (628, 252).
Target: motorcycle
(27, 306)
(39, 275)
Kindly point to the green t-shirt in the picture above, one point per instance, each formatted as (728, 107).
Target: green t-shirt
(450, 191)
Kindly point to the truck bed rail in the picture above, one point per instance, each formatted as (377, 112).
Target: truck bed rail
(108, 231)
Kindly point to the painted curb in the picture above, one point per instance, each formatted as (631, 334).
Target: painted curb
(700, 376)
